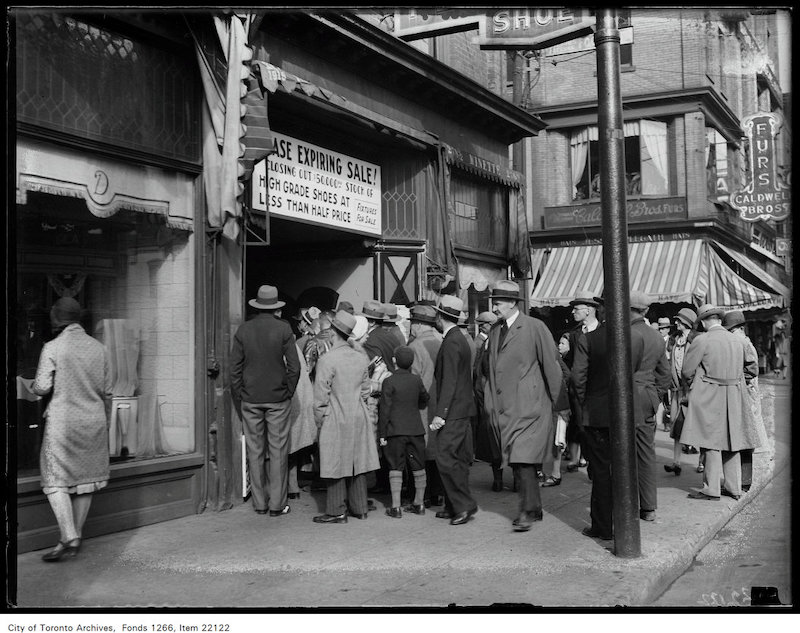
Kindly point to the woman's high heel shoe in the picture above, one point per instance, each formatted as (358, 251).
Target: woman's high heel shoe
(63, 550)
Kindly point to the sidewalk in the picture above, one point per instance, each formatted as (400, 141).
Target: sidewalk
(237, 558)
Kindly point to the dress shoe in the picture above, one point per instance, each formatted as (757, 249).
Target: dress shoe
(701, 495)
(294, 495)
(395, 513)
(331, 518)
(551, 481)
(63, 550)
(539, 475)
(525, 520)
(582, 463)
(276, 513)
(462, 517)
(592, 533)
(673, 468)
(728, 493)
(497, 486)
(647, 515)
(572, 468)
(700, 468)
(358, 516)
(444, 514)
(415, 509)
(745, 488)
(262, 511)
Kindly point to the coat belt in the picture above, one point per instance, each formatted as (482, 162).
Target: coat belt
(725, 382)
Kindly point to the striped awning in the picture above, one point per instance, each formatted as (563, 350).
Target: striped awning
(770, 283)
(675, 271)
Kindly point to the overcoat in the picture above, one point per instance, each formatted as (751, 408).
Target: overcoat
(302, 430)
(650, 370)
(719, 415)
(487, 447)
(347, 444)
(524, 378)
(426, 347)
(590, 377)
(75, 445)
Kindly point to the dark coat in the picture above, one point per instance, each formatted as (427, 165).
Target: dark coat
(264, 362)
(589, 377)
(487, 445)
(453, 373)
(524, 379)
(651, 378)
(381, 342)
(426, 348)
(402, 397)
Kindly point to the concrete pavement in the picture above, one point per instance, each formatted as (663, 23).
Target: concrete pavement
(237, 558)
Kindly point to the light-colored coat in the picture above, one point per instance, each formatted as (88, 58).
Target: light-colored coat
(523, 382)
(347, 444)
(425, 347)
(75, 445)
(303, 431)
(719, 415)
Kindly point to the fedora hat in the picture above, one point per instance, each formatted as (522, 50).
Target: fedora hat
(584, 298)
(505, 289)
(373, 310)
(390, 313)
(639, 300)
(664, 322)
(486, 317)
(451, 306)
(732, 319)
(344, 322)
(687, 316)
(708, 310)
(267, 299)
(309, 314)
(423, 314)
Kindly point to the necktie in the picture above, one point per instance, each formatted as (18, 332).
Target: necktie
(503, 332)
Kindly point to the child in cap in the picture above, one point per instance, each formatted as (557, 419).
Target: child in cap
(401, 430)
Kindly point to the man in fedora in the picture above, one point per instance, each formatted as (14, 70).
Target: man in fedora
(391, 318)
(651, 380)
(523, 380)
(487, 448)
(380, 342)
(425, 342)
(455, 406)
(265, 369)
(718, 417)
(347, 448)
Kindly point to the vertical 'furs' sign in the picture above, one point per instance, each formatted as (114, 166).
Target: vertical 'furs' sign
(767, 195)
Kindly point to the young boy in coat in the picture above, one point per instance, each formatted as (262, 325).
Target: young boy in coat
(401, 430)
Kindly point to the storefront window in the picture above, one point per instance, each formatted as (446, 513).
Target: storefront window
(132, 275)
(646, 160)
(481, 215)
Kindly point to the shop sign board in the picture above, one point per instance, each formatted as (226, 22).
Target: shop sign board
(306, 182)
(642, 210)
(532, 29)
(415, 24)
(766, 196)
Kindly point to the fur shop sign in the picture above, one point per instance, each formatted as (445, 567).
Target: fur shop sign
(650, 210)
(309, 183)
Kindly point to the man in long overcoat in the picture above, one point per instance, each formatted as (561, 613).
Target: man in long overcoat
(524, 379)
(717, 418)
(425, 342)
(347, 446)
(487, 449)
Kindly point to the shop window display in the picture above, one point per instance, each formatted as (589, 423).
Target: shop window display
(132, 275)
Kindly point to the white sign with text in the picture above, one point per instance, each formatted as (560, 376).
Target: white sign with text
(305, 182)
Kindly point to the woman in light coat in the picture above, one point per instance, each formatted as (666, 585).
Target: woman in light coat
(347, 444)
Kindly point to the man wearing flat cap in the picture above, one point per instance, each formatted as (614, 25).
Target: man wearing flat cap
(719, 415)
(523, 380)
(265, 369)
(651, 380)
(455, 406)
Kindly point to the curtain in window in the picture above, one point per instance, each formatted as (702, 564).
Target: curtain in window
(578, 152)
(654, 171)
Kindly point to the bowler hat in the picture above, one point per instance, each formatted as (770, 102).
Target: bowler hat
(708, 310)
(505, 290)
(584, 298)
(373, 310)
(639, 300)
(451, 307)
(486, 317)
(344, 322)
(423, 314)
(65, 311)
(733, 319)
(687, 316)
(390, 313)
(267, 299)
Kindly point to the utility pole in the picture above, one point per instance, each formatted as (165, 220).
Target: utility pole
(518, 150)
(627, 541)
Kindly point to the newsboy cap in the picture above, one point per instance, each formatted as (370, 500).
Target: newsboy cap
(486, 317)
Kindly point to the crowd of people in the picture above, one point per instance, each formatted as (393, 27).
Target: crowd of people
(375, 402)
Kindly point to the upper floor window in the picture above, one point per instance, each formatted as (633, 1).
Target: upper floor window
(480, 220)
(646, 160)
(718, 161)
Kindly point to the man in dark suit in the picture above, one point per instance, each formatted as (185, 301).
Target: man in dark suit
(651, 380)
(265, 369)
(455, 405)
(380, 340)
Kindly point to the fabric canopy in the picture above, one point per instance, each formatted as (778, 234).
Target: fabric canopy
(768, 280)
(479, 275)
(676, 271)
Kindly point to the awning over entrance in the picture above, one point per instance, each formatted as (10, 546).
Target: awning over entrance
(478, 274)
(768, 280)
(676, 271)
